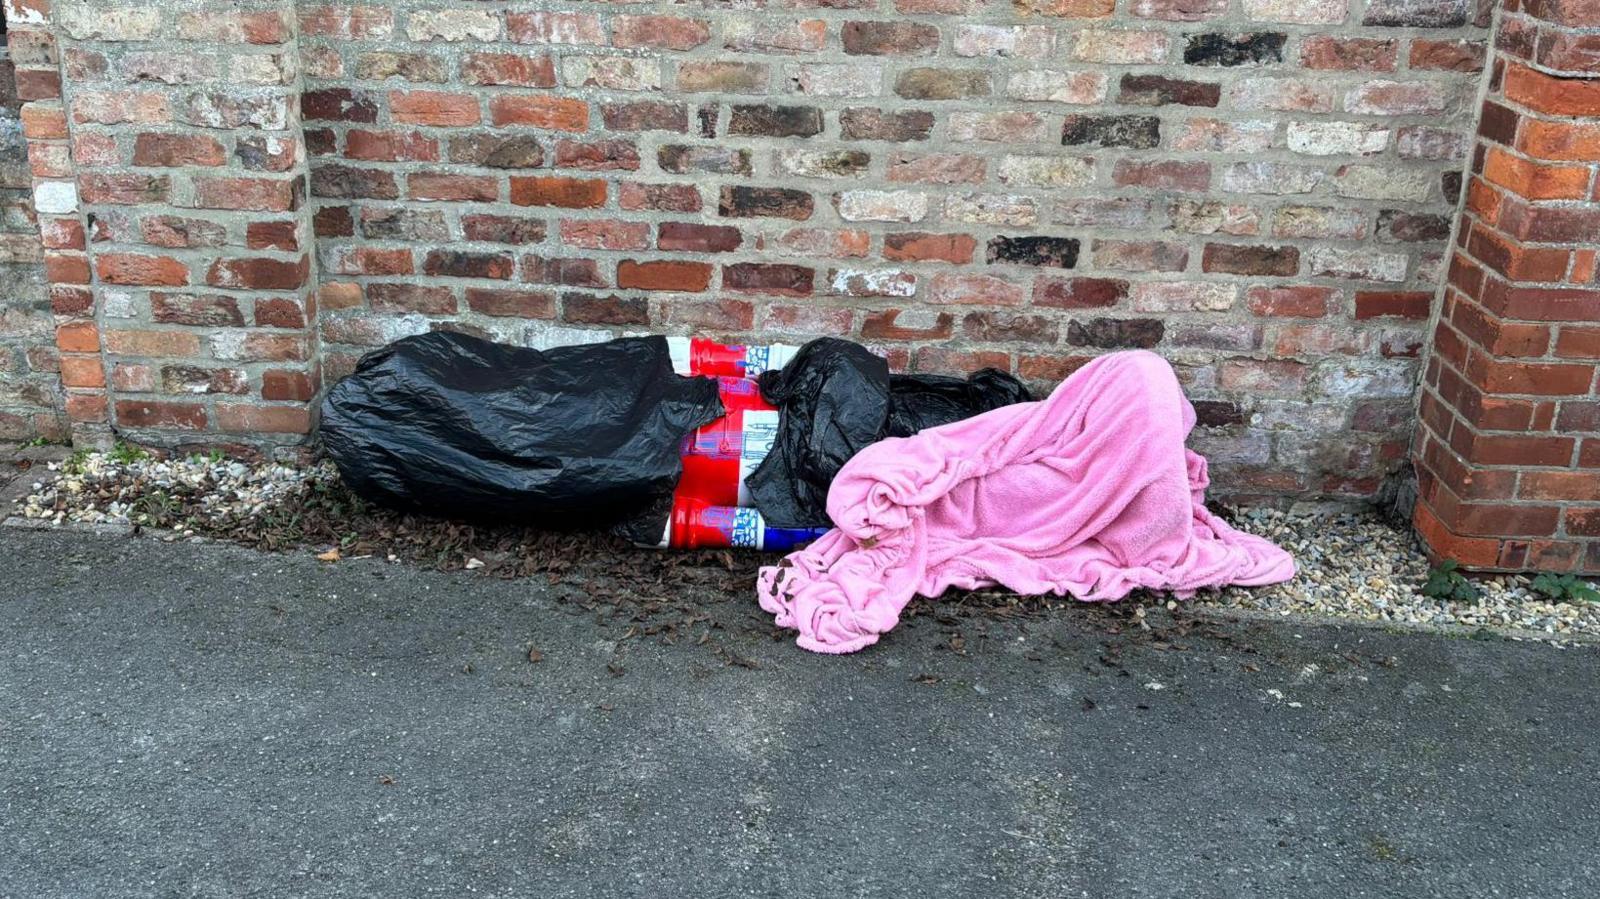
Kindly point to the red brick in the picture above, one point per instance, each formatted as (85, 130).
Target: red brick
(674, 275)
(1297, 302)
(1163, 174)
(1579, 486)
(152, 414)
(258, 273)
(886, 325)
(411, 298)
(272, 236)
(279, 312)
(140, 270)
(550, 113)
(767, 278)
(433, 108)
(460, 188)
(86, 407)
(256, 194)
(66, 268)
(508, 69)
(570, 193)
(715, 315)
(1414, 304)
(689, 237)
(1349, 54)
(244, 419)
(512, 303)
(78, 337)
(1079, 293)
(1575, 342)
(44, 122)
(197, 310)
(139, 342)
(605, 234)
(156, 149)
(1559, 141)
(942, 360)
(917, 246)
(82, 371)
(1534, 181)
(391, 146)
(1450, 56)
(1551, 95)
(632, 195)
(981, 289)
(659, 32)
(124, 189)
(283, 384)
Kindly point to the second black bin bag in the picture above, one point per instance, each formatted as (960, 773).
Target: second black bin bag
(835, 399)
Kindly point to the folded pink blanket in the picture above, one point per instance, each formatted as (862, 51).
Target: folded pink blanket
(1090, 493)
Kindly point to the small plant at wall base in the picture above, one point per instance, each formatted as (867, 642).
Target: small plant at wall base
(1565, 588)
(1445, 581)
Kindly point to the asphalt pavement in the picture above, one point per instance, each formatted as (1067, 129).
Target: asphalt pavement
(200, 720)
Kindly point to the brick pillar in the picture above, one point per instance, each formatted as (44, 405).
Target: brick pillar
(170, 182)
(1508, 456)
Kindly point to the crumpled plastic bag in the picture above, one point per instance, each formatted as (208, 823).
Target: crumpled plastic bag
(451, 425)
(836, 398)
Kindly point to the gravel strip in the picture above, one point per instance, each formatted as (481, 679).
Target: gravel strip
(1352, 566)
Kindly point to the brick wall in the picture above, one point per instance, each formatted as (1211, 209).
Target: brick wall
(30, 393)
(1509, 451)
(1261, 190)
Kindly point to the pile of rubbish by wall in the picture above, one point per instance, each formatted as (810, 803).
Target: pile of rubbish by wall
(879, 487)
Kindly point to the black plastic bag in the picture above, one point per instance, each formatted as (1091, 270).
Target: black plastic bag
(836, 398)
(451, 425)
(919, 402)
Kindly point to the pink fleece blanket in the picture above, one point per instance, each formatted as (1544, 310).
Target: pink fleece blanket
(1090, 492)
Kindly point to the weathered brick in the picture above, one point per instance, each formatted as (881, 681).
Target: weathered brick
(681, 159)
(603, 155)
(1358, 54)
(437, 108)
(555, 28)
(632, 195)
(920, 246)
(875, 124)
(1004, 41)
(140, 270)
(907, 324)
(154, 414)
(1417, 13)
(391, 146)
(1116, 333)
(617, 73)
(1057, 87)
(457, 188)
(1159, 90)
(889, 38)
(589, 309)
(937, 168)
(507, 69)
(1139, 255)
(1163, 174)
(550, 113)
(258, 273)
(503, 229)
(768, 278)
(942, 84)
(987, 290)
(198, 310)
(1137, 132)
(330, 180)
(645, 116)
(659, 32)
(774, 121)
(757, 35)
(873, 283)
(465, 264)
(722, 77)
(1213, 49)
(124, 189)
(1295, 302)
(1079, 293)
(422, 67)
(831, 163)
(881, 206)
(771, 202)
(1056, 252)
